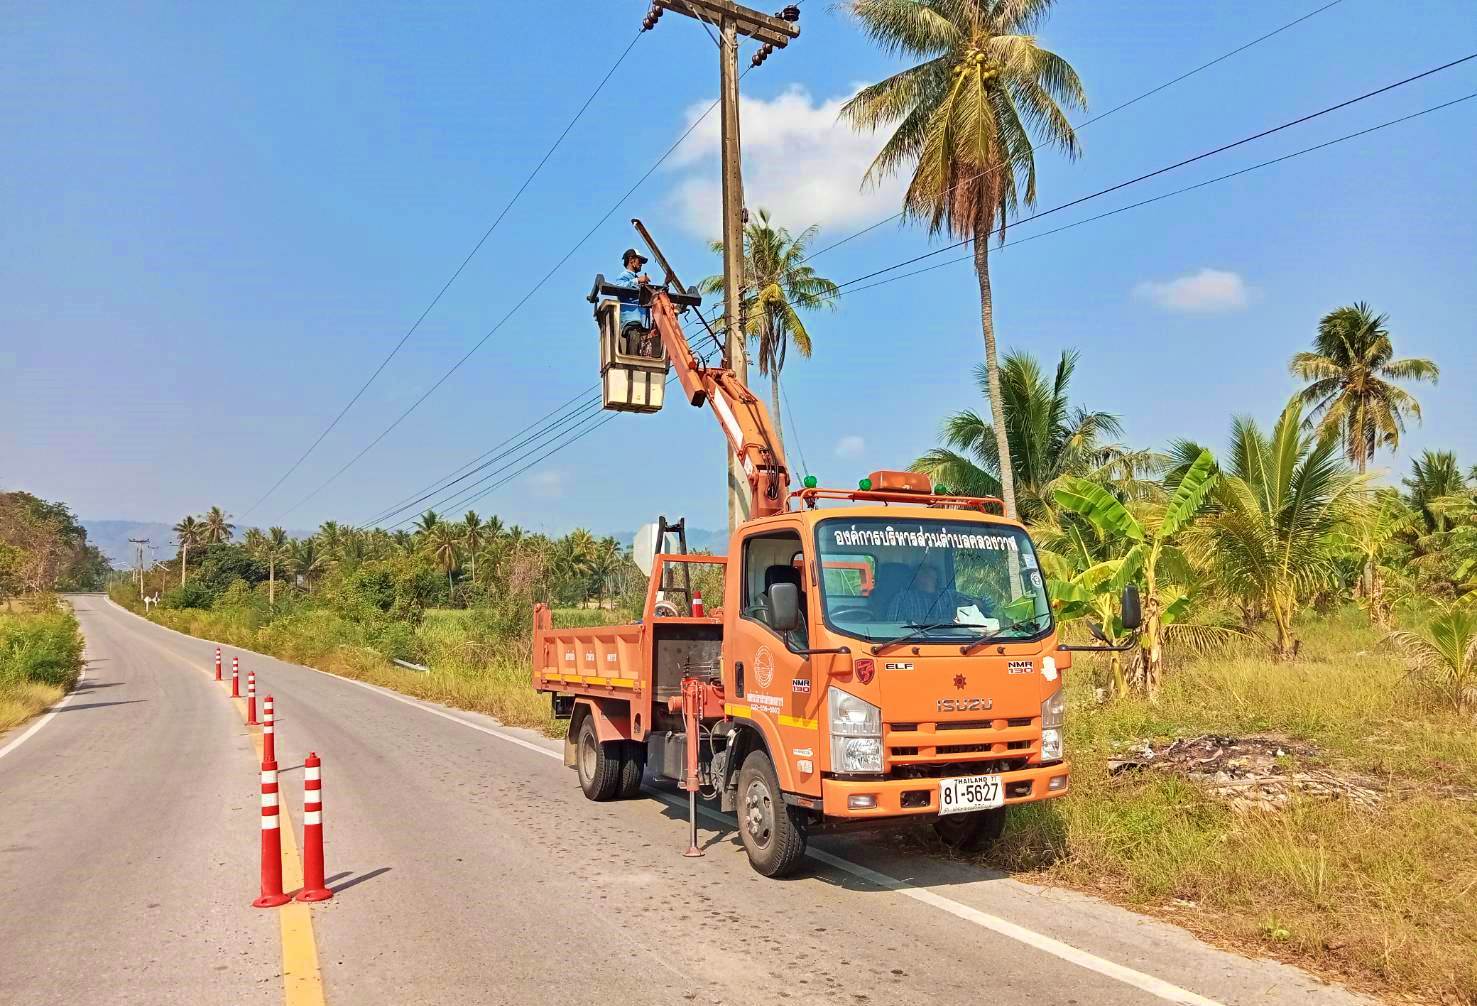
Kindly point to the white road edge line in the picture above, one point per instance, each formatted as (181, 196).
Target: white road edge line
(1156, 987)
(45, 717)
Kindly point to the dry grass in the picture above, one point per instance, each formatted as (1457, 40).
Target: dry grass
(1385, 899)
(40, 657)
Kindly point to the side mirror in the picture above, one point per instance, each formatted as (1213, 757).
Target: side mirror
(1132, 616)
(784, 607)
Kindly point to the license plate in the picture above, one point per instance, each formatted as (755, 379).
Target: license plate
(970, 792)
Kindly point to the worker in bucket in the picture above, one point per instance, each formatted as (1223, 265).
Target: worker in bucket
(637, 336)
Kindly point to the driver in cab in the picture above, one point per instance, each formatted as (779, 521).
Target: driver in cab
(925, 601)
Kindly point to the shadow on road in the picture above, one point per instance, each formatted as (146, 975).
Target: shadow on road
(97, 705)
(336, 887)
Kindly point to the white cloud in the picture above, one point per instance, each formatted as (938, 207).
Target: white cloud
(801, 163)
(851, 447)
(548, 484)
(1204, 292)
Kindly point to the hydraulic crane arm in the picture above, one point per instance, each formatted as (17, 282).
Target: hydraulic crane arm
(743, 417)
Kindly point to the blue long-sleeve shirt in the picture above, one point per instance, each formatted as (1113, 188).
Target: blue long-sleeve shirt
(631, 309)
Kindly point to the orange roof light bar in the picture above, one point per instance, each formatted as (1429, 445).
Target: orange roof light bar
(900, 482)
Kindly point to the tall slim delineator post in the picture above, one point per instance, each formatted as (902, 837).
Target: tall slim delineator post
(734, 350)
(235, 677)
(315, 888)
(217, 663)
(269, 730)
(271, 882)
(251, 698)
(773, 31)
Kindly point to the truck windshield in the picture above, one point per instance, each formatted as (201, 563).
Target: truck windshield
(933, 580)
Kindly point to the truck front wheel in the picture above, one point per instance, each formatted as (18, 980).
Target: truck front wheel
(972, 832)
(598, 765)
(772, 831)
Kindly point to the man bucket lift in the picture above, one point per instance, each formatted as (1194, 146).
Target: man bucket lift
(631, 382)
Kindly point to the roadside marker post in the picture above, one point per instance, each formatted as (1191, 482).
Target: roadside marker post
(217, 663)
(251, 699)
(698, 611)
(271, 896)
(314, 888)
(269, 731)
(235, 677)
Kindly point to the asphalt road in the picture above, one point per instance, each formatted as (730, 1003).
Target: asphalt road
(469, 869)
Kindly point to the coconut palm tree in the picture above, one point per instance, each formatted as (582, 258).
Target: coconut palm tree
(778, 285)
(425, 522)
(1048, 439)
(330, 538)
(1270, 536)
(1443, 657)
(217, 527)
(1352, 371)
(275, 549)
(1433, 476)
(442, 544)
(962, 121)
(308, 559)
(474, 534)
(189, 532)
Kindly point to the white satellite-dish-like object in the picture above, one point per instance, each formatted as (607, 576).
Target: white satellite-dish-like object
(646, 546)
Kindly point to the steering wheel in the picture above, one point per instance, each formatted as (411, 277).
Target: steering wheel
(856, 614)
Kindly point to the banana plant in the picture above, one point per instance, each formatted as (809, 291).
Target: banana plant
(1115, 527)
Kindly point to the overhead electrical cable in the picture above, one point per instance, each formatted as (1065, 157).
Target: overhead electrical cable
(1097, 118)
(453, 278)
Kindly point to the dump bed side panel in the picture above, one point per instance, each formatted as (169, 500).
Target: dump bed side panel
(605, 660)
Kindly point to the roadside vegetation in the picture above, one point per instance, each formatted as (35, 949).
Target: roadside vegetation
(43, 549)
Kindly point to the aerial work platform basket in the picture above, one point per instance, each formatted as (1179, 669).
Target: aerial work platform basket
(633, 362)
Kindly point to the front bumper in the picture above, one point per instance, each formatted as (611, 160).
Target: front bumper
(898, 797)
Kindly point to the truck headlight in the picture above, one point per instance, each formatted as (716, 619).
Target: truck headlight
(856, 733)
(1053, 718)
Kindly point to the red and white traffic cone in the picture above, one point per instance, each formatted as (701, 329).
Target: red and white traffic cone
(697, 605)
(251, 699)
(217, 663)
(269, 730)
(271, 895)
(235, 677)
(314, 887)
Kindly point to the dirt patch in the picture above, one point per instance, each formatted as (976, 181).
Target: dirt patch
(1259, 772)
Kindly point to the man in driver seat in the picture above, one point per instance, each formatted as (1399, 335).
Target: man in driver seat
(924, 602)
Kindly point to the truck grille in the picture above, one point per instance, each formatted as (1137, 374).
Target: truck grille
(925, 749)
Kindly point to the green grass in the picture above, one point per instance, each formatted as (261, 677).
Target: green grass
(40, 657)
(1381, 898)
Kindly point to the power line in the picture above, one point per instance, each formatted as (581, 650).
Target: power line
(1097, 118)
(1178, 164)
(457, 273)
(573, 436)
(1165, 195)
(516, 307)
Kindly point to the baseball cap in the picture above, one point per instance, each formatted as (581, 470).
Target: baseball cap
(630, 252)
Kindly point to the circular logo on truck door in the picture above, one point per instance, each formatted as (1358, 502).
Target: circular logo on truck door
(763, 667)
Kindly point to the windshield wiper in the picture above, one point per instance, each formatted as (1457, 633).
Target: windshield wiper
(990, 637)
(918, 629)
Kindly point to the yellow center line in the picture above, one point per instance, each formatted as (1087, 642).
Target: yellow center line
(302, 981)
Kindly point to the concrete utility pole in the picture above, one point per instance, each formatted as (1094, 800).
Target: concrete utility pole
(774, 32)
(138, 563)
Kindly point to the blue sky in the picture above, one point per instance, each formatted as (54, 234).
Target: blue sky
(217, 222)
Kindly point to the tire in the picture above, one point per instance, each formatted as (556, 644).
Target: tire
(772, 831)
(973, 832)
(633, 765)
(598, 765)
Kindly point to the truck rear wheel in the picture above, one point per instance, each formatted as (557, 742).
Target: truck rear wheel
(598, 765)
(633, 764)
(972, 832)
(772, 831)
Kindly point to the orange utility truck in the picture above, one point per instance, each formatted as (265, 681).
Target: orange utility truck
(881, 654)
